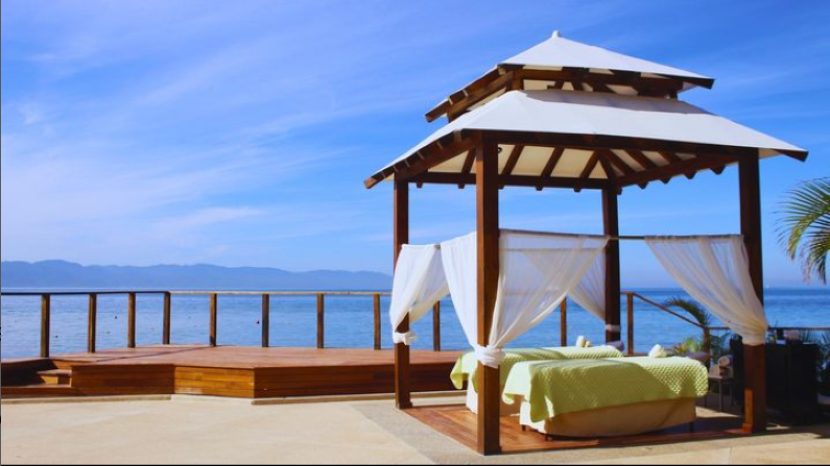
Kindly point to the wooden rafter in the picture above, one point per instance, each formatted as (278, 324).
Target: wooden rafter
(555, 156)
(468, 165)
(707, 156)
(513, 159)
(641, 158)
(666, 172)
(510, 77)
(586, 171)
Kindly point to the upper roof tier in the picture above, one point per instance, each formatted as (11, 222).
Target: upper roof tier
(583, 139)
(559, 63)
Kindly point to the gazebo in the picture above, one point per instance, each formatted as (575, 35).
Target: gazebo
(563, 114)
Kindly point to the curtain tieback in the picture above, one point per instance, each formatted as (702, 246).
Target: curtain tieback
(490, 356)
(612, 328)
(406, 338)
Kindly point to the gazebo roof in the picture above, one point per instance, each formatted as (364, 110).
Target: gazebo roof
(584, 140)
(566, 64)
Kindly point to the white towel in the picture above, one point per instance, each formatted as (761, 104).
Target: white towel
(657, 351)
(580, 341)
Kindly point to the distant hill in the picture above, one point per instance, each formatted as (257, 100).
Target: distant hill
(57, 274)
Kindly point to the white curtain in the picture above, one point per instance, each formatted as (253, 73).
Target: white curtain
(590, 292)
(418, 283)
(715, 271)
(536, 272)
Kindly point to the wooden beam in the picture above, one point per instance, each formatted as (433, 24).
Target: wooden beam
(458, 142)
(92, 322)
(511, 180)
(502, 82)
(586, 171)
(432, 154)
(611, 227)
(214, 309)
(563, 322)
(487, 237)
(130, 320)
(400, 234)
(555, 156)
(321, 320)
(664, 173)
(266, 320)
(755, 396)
(641, 158)
(45, 324)
(165, 324)
(468, 165)
(512, 159)
(376, 320)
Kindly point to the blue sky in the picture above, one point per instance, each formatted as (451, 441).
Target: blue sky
(239, 133)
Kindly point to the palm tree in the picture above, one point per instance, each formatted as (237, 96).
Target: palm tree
(805, 226)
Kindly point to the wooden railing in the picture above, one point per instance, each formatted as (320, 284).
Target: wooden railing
(213, 297)
(630, 297)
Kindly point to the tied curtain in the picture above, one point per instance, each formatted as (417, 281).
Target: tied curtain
(715, 271)
(536, 272)
(418, 284)
(590, 292)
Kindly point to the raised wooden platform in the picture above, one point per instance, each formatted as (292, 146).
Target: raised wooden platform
(247, 372)
(459, 423)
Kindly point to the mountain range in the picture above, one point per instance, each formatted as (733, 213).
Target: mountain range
(58, 274)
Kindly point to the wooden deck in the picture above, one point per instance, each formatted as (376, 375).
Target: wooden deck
(459, 423)
(246, 372)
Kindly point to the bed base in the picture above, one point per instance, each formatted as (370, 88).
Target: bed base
(614, 421)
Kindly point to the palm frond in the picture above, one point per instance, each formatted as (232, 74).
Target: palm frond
(695, 310)
(804, 228)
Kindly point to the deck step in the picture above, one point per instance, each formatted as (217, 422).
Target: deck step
(56, 376)
(37, 390)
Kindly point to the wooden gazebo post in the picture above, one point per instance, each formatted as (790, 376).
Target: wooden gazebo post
(755, 390)
(487, 236)
(400, 228)
(611, 227)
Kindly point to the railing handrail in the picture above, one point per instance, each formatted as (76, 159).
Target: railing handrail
(666, 309)
(197, 292)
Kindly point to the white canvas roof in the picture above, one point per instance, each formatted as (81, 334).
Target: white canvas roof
(592, 113)
(558, 52)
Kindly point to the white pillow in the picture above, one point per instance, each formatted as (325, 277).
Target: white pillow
(657, 351)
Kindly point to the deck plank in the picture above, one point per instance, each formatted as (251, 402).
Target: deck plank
(248, 372)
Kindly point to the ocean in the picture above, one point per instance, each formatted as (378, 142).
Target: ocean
(348, 321)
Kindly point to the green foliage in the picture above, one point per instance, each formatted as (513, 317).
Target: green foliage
(805, 226)
(687, 346)
(699, 315)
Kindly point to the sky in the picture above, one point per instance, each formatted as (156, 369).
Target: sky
(239, 133)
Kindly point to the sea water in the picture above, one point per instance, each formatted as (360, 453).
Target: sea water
(348, 321)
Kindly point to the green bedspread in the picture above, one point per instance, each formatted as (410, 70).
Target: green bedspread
(559, 387)
(466, 364)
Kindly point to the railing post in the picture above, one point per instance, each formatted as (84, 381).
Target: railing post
(165, 332)
(266, 319)
(213, 308)
(45, 317)
(563, 323)
(629, 296)
(92, 320)
(436, 326)
(376, 312)
(130, 320)
(320, 328)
